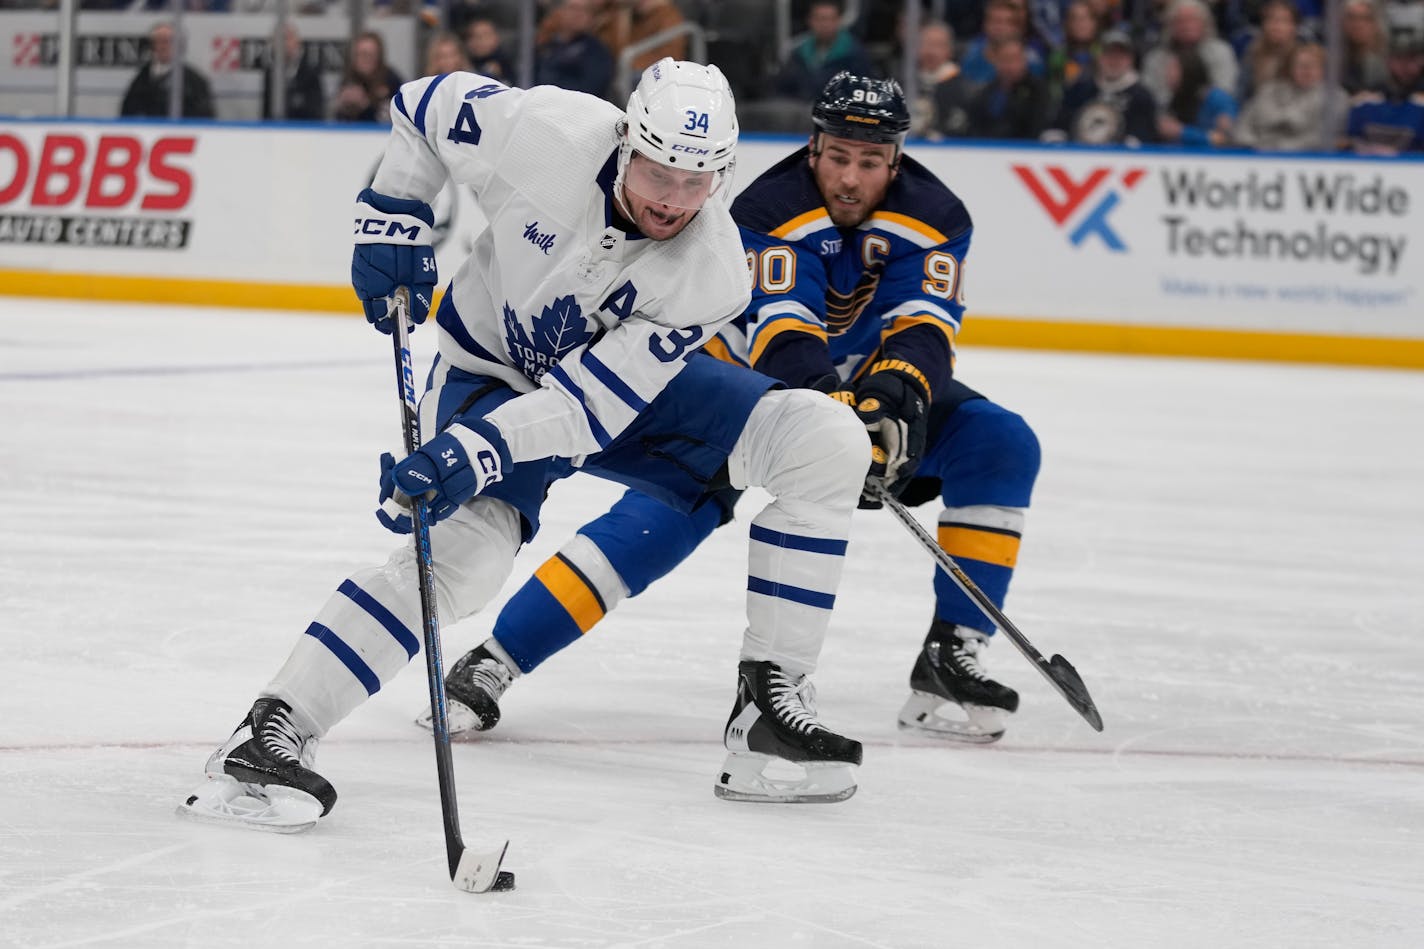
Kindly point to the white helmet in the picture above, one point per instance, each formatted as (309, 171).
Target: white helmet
(682, 115)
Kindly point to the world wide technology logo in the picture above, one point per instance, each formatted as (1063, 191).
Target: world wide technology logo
(1061, 196)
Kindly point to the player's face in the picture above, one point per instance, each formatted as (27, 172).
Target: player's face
(661, 200)
(853, 177)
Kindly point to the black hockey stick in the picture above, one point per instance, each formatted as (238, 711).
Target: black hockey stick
(472, 871)
(1058, 671)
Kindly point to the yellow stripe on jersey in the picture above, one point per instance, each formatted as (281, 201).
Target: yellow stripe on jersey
(775, 328)
(967, 543)
(574, 595)
(896, 221)
(718, 350)
(916, 319)
(802, 220)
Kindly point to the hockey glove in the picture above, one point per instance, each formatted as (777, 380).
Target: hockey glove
(892, 405)
(393, 250)
(451, 468)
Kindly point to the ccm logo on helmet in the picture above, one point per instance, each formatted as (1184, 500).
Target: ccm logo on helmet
(690, 149)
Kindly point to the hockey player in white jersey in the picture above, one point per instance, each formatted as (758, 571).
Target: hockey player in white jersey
(568, 341)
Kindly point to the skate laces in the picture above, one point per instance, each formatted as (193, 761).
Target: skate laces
(490, 675)
(279, 736)
(966, 656)
(793, 700)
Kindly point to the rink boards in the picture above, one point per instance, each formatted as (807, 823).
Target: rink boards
(1297, 258)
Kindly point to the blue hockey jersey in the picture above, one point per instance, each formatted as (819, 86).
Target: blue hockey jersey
(839, 300)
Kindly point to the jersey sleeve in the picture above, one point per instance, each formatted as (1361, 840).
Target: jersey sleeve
(786, 320)
(453, 125)
(917, 335)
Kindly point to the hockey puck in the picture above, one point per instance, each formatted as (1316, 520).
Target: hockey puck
(505, 881)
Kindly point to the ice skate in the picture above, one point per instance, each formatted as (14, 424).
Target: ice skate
(472, 690)
(262, 778)
(773, 728)
(951, 696)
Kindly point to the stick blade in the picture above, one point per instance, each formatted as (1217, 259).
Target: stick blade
(1070, 684)
(479, 872)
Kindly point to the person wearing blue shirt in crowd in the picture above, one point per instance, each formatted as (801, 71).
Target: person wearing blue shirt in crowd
(573, 58)
(1389, 120)
(1198, 114)
(1003, 20)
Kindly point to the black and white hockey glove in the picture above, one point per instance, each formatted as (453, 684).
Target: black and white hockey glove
(892, 402)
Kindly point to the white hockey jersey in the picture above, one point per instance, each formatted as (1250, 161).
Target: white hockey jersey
(590, 322)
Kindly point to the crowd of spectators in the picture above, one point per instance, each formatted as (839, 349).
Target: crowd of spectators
(1192, 73)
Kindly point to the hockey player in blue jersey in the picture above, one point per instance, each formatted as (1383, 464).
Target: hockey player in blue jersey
(857, 255)
(568, 341)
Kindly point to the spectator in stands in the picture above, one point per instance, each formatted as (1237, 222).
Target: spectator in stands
(1266, 55)
(148, 93)
(572, 57)
(942, 104)
(1003, 20)
(367, 83)
(1363, 36)
(827, 49)
(1389, 120)
(626, 22)
(1076, 57)
(1292, 113)
(485, 49)
(445, 54)
(1198, 113)
(1110, 106)
(305, 99)
(1190, 28)
(1015, 104)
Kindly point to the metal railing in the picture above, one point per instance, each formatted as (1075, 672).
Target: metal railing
(623, 77)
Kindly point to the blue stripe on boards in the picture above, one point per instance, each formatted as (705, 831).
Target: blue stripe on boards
(385, 617)
(612, 383)
(347, 655)
(600, 434)
(813, 545)
(784, 591)
(419, 120)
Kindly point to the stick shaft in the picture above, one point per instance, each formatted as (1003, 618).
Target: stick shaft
(1059, 673)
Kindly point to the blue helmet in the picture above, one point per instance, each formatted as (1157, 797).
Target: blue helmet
(862, 108)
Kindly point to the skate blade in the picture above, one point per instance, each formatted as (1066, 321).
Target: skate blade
(743, 778)
(459, 717)
(923, 713)
(222, 799)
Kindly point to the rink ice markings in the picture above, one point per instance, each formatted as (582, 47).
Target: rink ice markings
(906, 743)
(116, 372)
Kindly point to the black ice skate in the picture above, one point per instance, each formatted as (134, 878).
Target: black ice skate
(473, 689)
(774, 724)
(947, 675)
(262, 775)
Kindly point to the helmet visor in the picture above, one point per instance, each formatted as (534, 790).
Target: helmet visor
(674, 187)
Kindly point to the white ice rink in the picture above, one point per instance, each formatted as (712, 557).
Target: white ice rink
(1232, 555)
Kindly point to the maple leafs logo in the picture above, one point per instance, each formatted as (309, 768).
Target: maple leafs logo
(558, 330)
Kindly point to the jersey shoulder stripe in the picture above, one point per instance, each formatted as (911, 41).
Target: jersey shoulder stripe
(783, 199)
(921, 208)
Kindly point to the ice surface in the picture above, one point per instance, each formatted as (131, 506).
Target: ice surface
(1231, 554)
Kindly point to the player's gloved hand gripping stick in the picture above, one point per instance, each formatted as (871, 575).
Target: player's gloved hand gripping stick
(1058, 671)
(470, 870)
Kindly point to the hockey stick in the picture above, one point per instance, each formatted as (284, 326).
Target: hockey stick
(1058, 671)
(471, 871)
